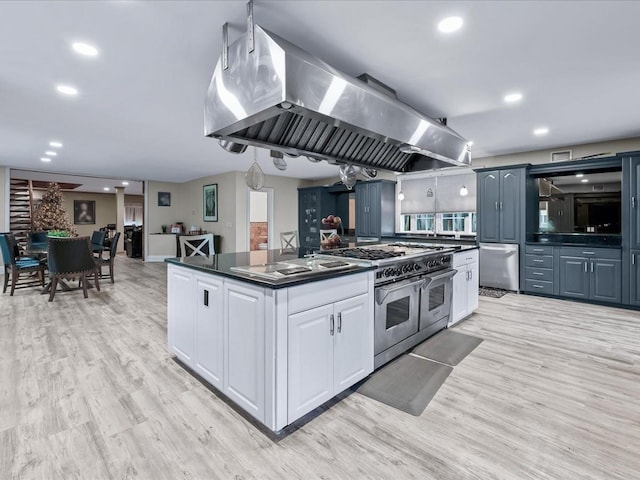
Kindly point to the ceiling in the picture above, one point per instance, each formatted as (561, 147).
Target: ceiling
(85, 184)
(139, 113)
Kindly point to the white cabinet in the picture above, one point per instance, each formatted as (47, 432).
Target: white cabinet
(465, 285)
(329, 349)
(181, 314)
(209, 330)
(244, 358)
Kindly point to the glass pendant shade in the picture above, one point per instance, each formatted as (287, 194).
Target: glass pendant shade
(255, 177)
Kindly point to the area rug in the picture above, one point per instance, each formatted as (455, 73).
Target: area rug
(447, 347)
(408, 383)
(492, 292)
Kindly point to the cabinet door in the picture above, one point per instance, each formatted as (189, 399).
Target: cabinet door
(472, 287)
(635, 203)
(459, 298)
(489, 203)
(353, 342)
(310, 360)
(634, 297)
(509, 206)
(362, 211)
(209, 339)
(244, 347)
(606, 280)
(375, 214)
(574, 277)
(180, 313)
(308, 213)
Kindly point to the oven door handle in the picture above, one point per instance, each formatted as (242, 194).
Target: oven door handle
(383, 292)
(443, 276)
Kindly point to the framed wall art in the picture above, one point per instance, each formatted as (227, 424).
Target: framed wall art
(164, 199)
(210, 202)
(84, 212)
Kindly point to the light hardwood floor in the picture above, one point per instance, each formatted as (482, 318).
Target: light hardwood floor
(89, 391)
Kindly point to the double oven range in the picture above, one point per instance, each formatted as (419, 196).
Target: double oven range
(413, 290)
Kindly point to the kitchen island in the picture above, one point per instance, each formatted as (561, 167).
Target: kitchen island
(277, 348)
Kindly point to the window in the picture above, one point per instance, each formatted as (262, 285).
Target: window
(454, 222)
(425, 222)
(445, 223)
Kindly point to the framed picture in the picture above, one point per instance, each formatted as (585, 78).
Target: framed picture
(210, 200)
(84, 212)
(164, 199)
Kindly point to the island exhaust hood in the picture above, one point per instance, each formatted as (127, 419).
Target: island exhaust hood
(268, 93)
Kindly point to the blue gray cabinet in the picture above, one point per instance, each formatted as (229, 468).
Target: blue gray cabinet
(375, 208)
(313, 204)
(634, 298)
(634, 190)
(499, 201)
(591, 274)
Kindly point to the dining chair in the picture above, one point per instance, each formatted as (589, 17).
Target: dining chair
(192, 245)
(289, 240)
(112, 256)
(36, 241)
(71, 258)
(97, 241)
(15, 266)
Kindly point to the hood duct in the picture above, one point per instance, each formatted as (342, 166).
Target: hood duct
(279, 97)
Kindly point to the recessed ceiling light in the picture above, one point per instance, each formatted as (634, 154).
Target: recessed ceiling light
(450, 24)
(45, 159)
(541, 131)
(55, 144)
(585, 180)
(50, 153)
(513, 97)
(106, 189)
(84, 49)
(125, 183)
(579, 175)
(67, 90)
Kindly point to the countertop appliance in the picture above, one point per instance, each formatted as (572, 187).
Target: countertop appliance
(500, 266)
(294, 268)
(413, 291)
(269, 93)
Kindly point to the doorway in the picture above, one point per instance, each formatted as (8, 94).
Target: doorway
(260, 216)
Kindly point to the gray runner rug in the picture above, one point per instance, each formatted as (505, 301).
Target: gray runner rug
(408, 383)
(447, 347)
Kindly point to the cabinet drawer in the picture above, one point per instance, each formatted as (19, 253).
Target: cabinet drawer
(539, 274)
(539, 249)
(608, 253)
(535, 286)
(465, 258)
(540, 261)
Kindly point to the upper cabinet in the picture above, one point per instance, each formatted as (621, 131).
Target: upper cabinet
(500, 194)
(375, 208)
(634, 191)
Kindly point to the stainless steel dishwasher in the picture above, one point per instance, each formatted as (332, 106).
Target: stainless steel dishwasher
(500, 266)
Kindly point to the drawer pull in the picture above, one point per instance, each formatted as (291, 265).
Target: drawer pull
(588, 253)
(538, 249)
(538, 273)
(538, 261)
(538, 286)
(633, 259)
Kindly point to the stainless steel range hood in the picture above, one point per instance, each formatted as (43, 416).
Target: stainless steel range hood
(282, 98)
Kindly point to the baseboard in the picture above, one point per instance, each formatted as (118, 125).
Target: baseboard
(158, 258)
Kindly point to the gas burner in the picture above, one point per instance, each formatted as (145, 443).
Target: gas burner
(365, 253)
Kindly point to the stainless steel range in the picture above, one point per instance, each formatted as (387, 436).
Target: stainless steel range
(413, 287)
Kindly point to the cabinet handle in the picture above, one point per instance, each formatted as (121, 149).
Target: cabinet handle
(584, 252)
(339, 322)
(585, 267)
(496, 206)
(538, 273)
(538, 261)
(470, 274)
(500, 205)
(537, 286)
(206, 298)
(633, 259)
(633, 202)
(331, 321)
(591, 267)
(538, 249)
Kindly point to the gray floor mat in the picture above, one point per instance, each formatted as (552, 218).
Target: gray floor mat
(408, 383)
(447, 347)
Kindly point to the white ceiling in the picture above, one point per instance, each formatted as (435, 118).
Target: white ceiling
(139, 112)
(87, 184)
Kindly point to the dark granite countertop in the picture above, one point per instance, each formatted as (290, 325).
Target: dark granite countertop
(573, 244)
(221, 264)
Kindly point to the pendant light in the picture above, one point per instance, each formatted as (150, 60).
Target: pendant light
(400, 195)
(254, 177)
(463, 191)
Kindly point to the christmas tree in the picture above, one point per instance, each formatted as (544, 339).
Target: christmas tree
(49, 214)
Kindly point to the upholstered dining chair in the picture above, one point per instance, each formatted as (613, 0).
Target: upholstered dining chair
(37, 241)
(111, 259)
(97, 241)
(15, 266)
(289, 240)
(71, 258)
(192, 245)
